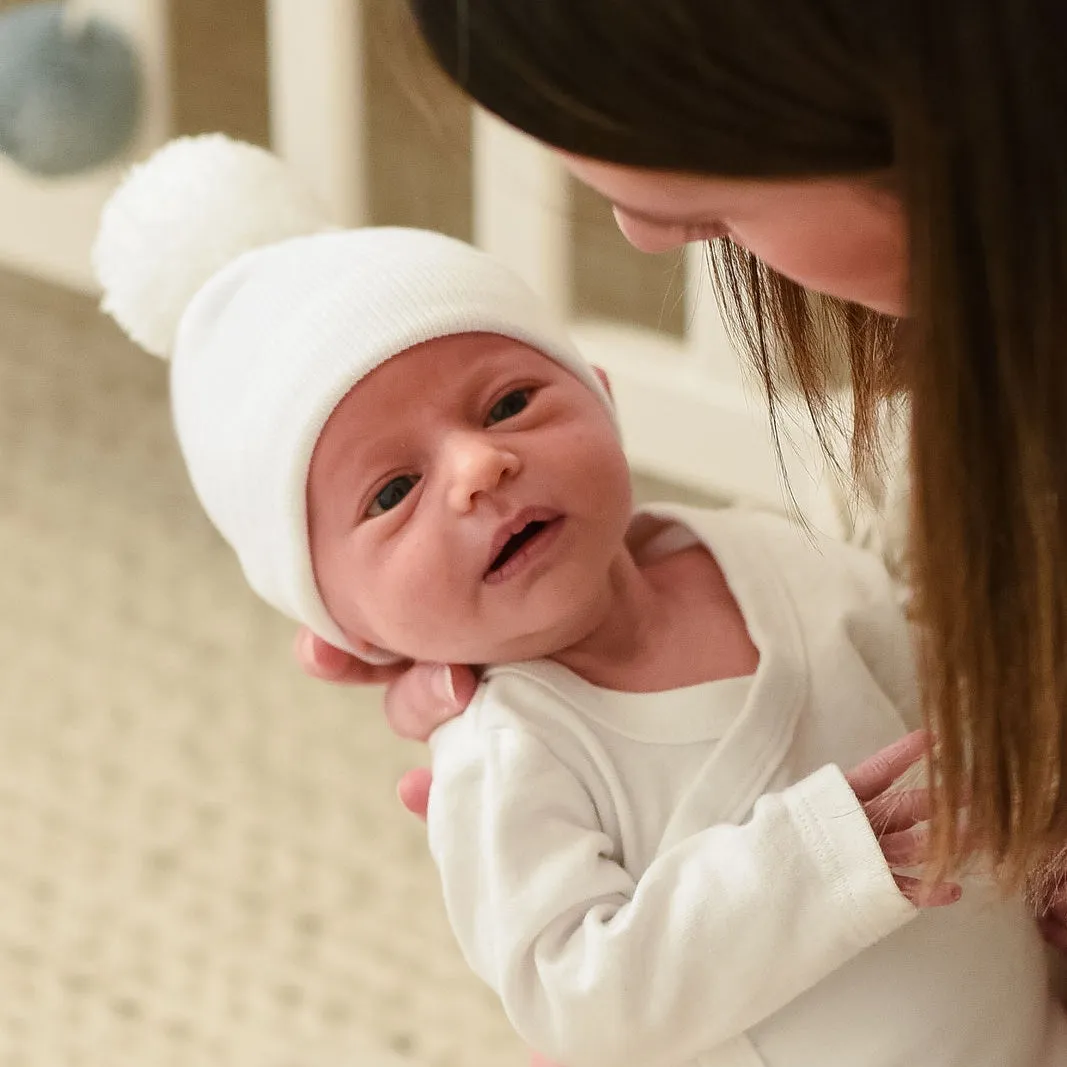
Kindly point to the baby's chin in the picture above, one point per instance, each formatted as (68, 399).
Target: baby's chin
(434, 649)
(481, 654)
(498, 649)
(541, 627)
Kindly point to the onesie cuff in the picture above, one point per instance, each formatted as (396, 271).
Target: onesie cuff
(833, 823)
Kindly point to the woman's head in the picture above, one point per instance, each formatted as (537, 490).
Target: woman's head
(735, 87)
(953, 110)
(843, 237)
(767, 100)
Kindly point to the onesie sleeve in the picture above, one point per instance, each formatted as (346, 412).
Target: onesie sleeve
(597, 969)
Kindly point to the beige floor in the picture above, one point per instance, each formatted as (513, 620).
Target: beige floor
(201, 858)
(202, 861)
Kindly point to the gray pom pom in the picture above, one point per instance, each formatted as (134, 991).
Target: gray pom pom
(70, 95)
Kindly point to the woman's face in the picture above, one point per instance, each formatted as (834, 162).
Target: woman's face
(841, 236)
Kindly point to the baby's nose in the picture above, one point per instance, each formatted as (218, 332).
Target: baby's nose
(479, 466)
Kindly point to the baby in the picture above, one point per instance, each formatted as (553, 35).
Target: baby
(646, 843)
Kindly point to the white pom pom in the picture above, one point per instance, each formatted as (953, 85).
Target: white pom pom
(182, 216)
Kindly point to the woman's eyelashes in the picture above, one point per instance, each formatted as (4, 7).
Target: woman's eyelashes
(391, 494)
(508, 406)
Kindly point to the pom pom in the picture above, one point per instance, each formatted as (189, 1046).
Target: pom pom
(183, 215)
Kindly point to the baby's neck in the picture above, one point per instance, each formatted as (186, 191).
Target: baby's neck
(670, 622)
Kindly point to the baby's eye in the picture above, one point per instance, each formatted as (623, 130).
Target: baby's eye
(509, 406)
(390, 495)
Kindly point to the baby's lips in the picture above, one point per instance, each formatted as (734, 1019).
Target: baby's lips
(515, 525)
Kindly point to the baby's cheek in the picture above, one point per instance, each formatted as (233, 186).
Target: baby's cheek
(415, 602)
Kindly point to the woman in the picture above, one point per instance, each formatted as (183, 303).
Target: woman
(906, 161)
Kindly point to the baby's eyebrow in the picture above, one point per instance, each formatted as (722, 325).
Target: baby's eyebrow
(352, 465)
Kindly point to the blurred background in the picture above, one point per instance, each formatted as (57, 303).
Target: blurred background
(201, 858)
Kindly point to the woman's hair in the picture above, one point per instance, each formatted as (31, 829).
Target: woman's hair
(962, 104)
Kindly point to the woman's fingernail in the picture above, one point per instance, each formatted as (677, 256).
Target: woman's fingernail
(444, 685)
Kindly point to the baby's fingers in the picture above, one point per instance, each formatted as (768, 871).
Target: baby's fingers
(895, 811)
(906, 848)
(924, 896)
(1053, 931)
(878, 772)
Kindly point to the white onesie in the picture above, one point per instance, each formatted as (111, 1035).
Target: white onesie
(685, 877)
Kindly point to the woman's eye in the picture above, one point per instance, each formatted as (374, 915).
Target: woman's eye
(509, 406)
(390, 495)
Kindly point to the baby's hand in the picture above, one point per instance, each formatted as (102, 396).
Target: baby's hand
(1049, 894)
(419, 697)
(899, 818)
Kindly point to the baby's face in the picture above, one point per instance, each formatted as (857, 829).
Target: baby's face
(465, 504)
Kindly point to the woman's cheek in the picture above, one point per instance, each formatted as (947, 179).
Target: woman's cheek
(813, 260)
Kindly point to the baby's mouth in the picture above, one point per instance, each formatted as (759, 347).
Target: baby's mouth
(515, 542)
(527, 526)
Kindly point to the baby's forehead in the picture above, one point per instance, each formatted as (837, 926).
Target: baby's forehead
(444, 369)
(455, 359)
(472, 349)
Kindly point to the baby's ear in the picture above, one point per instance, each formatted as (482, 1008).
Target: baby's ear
(603, 376)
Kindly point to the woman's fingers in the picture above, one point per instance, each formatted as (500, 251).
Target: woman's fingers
(413, 790)
(425, 696)
(321, 660)
(419, 697)
(877, 773)
(924, 896)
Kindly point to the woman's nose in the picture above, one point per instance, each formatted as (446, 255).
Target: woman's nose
(478, 466)
(649, 237)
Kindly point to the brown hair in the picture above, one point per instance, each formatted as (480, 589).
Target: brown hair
(965, 102)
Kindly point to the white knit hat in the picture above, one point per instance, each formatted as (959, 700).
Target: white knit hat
(212, 252)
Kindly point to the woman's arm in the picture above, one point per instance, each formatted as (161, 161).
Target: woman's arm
(597, 969)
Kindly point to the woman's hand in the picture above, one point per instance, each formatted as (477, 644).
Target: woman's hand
(419, 697)
(898, 817)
